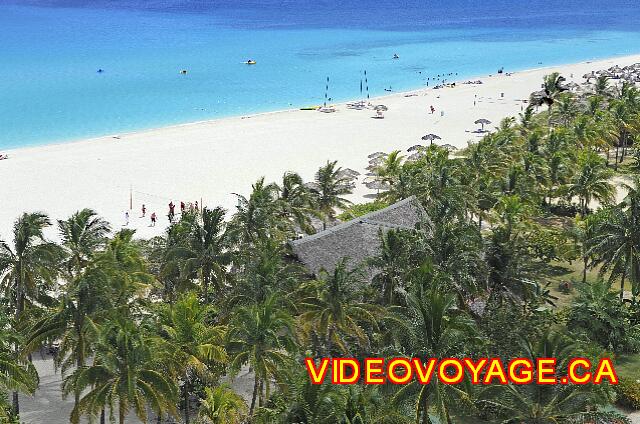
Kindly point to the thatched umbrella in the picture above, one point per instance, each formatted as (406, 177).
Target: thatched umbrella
(349, 172)
(431, 137)
(376, 155)
(415, 147)
(483, 122)
(414, 156)
(381, 107)
(377, 185)
(449, 147)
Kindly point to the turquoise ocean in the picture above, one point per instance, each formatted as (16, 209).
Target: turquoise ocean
(51, 51)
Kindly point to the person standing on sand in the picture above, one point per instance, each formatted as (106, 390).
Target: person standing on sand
(197, 210)
(126, 218)
(182, 206)
(433, 109)
(153, 219)
(144, 210)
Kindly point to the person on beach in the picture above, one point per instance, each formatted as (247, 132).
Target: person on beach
(182, 207)
(126, 218)
(433, 109)
(197, 210)
(144, 210)
(153, 219)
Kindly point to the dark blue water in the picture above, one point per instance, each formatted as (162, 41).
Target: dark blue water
(50, 52)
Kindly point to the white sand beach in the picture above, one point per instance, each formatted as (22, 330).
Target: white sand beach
(208, 161)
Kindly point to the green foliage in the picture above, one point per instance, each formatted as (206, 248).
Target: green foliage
(628, 394)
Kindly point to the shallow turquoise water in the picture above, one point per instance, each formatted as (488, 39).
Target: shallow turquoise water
(50, 90)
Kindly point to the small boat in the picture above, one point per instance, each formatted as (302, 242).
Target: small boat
(183, 72)
(251, 62)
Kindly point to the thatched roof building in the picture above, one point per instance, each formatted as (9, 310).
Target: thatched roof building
(357, 239)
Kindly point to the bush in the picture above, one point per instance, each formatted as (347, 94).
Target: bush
(628, 393)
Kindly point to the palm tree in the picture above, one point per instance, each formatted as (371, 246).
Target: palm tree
(15, 373)
(221, 405)
(204, 252)
(535, 403)
(29, 268)
(552, 87)
(82, 234)
(389, 170)
(616, 245)
(432, 326)
(71, 321)
(125, 374)
(256, 216)
(392, 264)
(195, 345)
(591, 181)
(295, 202)
(330, 186)
(260, 335)
(335, 309)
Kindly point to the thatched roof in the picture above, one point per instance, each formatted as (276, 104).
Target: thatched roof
(357, 239)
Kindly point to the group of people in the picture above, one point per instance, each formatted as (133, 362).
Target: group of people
(170, 215)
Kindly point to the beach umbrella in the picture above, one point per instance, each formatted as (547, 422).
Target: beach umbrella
(351, 172)
(431, 137)
(381, 107)
(483, 122)
(415, 147)
(376, 155)
(449, 147)
(377, 185)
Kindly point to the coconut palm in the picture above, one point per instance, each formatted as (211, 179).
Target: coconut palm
(204, 252)
(195, 345)
(616, 245)
(260, 335)
(295, 204)
(125, 374)
(29, 268)
(221, 405)
(256, 216)
(330, 186)
(16, 373)
(432, 326)
(335, 309)
(82, 234)
(552, 87)
(389, 170)
(591, 182)
(536, 403)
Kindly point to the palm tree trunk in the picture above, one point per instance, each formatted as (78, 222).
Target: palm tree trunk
(15, 400)
(121, 413)
(256, 384)
(103, 418)
(585, 259)
(624, 275)
(615, 166)
(185, 394)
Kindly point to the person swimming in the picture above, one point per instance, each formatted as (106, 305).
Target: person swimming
(395, 56)
(100, 71)
(183, 72)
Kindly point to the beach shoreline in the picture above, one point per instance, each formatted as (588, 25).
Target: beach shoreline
(207, 161)
(342, 103)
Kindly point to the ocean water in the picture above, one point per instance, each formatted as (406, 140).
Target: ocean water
(50, 51)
